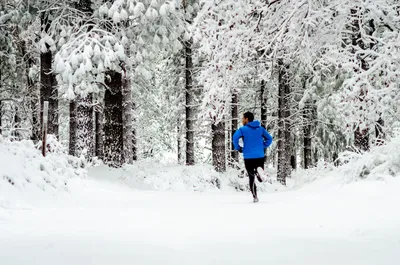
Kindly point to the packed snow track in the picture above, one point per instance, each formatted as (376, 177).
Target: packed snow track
(107, 223)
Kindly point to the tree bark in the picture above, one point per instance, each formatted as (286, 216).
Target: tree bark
(283, 124)
(263, 98)
(293, 156)
(235, 118)
(179, 144)
(84, 6)
(288, 123)
(72, 128)
(307, 127)
(134, 147)
(82, 109)
(84, 127)
(379, 133)
(218, 147)
(1, 116)
(48, 92)
(127, 118)
(99, 147)
(134, 139)
(16, 125)
(361, 139)
(190, 119)
(113, 128)
(34, 101)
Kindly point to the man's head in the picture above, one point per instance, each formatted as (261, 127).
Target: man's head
(247, 117)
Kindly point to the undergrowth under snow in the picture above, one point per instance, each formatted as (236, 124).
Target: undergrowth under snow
(23, 168)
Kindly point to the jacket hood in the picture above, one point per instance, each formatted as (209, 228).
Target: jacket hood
(254, 124)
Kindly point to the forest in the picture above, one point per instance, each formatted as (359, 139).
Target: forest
(128, 80)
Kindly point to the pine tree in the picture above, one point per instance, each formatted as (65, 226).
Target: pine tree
(48, 85)
(218, 147)
(82, 122)
(235, 117)
(113, 127)
(99, 136)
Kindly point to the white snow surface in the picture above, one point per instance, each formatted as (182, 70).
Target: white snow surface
(108, 218)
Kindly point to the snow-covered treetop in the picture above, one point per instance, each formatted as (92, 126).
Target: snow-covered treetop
(146, 28)
(124, 35)
(219, 32)
(82, 62)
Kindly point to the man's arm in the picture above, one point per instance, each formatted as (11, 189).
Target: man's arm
(236, 136)
(268, 138)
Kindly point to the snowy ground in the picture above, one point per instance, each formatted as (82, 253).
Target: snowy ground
(104, 222)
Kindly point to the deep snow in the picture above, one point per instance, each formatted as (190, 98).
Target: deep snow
(103, 221)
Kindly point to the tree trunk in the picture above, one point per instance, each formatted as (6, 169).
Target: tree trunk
(361, 139)
(81, 111)
(35, 114)
(190, 119)
(335, 159)
(263, 98)
(218, 147)
(379, 133)
(361, 136)
(235, 118)
(293, 156)
(283, 124)
(288, 123)
(281, 138)
(316, 157)
(84, 127)
(34, 101)
(127, 118)
(99, 134)
(16, 125)
(48, 92)
(307, 127)
(1, 117)
(134, 140)
(84, 6)
(113, 128)
(72, 128)
(134, 147)
(179, 144)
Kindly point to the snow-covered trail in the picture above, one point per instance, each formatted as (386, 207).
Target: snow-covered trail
(104, 223)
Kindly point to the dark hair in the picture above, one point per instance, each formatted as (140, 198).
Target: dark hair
(249, 115)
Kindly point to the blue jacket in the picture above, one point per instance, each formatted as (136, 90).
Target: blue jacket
(255, 140)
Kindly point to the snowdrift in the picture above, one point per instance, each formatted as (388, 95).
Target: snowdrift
(23, 169)
(380, 163)
(155, 175)
(25, 174)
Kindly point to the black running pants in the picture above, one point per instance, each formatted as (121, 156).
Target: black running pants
(251, 167)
